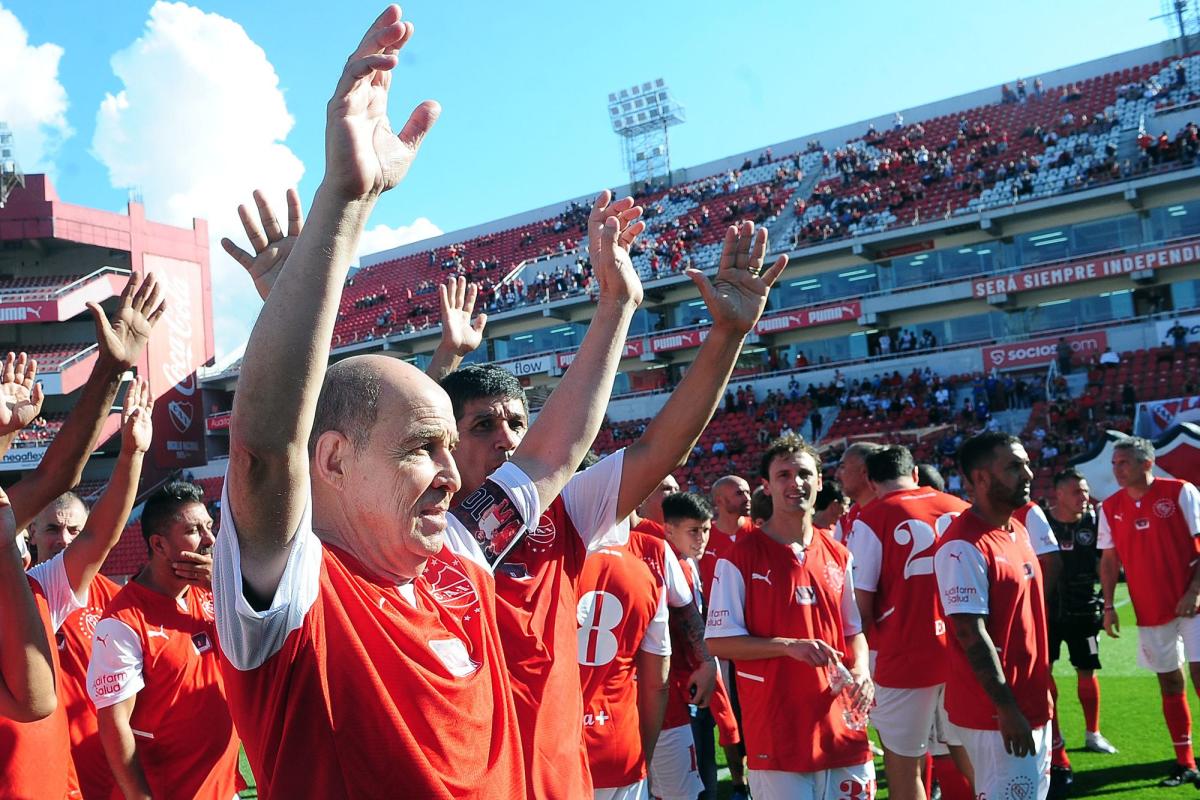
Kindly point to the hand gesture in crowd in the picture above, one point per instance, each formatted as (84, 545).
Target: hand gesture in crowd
(271, 247)
(816, 652)
(137, 429)
(20, 395)
(460, 335)
(123, 337)
(737, 294)
(612, 228)
(363, 156)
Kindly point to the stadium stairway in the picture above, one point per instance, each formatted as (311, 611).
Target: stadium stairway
(1013, 420)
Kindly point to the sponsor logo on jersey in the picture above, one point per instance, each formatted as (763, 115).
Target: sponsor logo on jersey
(1141, 524)
(599, 718)
(157, 634)
(518, 572)
(957, 595)
(806, 595)
(1164, 507)
(454, 656)
(754, 576)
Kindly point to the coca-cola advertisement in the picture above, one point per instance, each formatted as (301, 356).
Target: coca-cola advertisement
(176, 349)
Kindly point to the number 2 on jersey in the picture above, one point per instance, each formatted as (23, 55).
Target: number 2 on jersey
(923, 539)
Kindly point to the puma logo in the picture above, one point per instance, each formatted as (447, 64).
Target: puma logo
(102, 640)
(157, 634)
(754, 576)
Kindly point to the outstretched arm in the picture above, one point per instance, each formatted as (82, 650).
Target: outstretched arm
(560, 437)
(271, 247)
(460, 335)
(121, 341)
(27, 689)
(735, 299)
(285, 360)
(86, 554)
(20, 397)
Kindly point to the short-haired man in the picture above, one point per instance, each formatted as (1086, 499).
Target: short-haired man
(990, 586)
(680, 759)
(154, 676)
(1150, 526)
(731, 501)
(830, 506)
(851, 473)
(783, 608)
(893, 543)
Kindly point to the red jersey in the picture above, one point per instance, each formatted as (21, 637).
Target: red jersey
(844, 527)
(350, 678)
(622, 609)
(893, 542)
(1155, 538)
(767, 589)
(163, 650)
(1041, 535)
(995, 573)
(718, 547)
(74, 639)
(535, 606)
(35, 759)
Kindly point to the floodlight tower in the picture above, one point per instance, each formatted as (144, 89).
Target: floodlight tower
(1186, 16)
(642, 115)
(10, 171)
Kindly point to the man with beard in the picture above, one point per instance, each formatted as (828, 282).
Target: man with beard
(1150, 526)
(154, 676)
(990, 585)
(851, 473)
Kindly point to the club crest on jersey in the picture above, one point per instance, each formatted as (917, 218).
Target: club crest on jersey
(451, 587)
(806, 596)
(542, 539)
(1021, 788)
(1164, 507)
(201, 642)
(206, 608)
(835, 576)
(1086, 537)
(88, 619)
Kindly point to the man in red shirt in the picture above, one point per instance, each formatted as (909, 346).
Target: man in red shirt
(154, 675)
(990, 585)
(731, 501)
(783, 609)
(851, 473)
(893, 542)
(651, 507)
(1150, 526)
(624, 654)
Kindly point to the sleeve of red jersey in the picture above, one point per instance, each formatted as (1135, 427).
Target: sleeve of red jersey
(679, 593)
(1104, 539)
(727, 603)
(657, 639)
(1041, 535)
(1189, 506)
(851, 618)
(591, 501)
(868, 556)
(962, 578)
(248, 637)
(115, 671)
(52, 575)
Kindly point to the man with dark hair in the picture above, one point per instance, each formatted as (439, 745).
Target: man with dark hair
(760, 506)
(783, 608)
(990, 584)
(893, 542)
(851, 473)
(1150, 525)
(929, 475)
(1074, 607)
(831, 504)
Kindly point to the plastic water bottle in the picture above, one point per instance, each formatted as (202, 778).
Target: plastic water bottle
(841, 684)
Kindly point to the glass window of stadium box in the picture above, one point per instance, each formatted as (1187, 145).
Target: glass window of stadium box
(646, 321)
(839, 348)
(1185, 295)
(1083, 238)
(952, 262)
(971, 328)
(567, 336)
(849, 281)
(1080, 311)
(1172, 222)
(687, 313)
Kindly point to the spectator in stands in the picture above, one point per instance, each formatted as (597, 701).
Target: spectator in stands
(1063, 353)
(816, 422)
(718, 448)
(1178, 335)
(1108, 358)
(885, 343)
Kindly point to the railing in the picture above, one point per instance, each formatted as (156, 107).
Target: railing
(77, 358)
(22, 295)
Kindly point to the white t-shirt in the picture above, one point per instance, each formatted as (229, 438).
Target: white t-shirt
(61, 598)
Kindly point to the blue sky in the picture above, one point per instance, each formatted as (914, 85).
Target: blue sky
(523, 86)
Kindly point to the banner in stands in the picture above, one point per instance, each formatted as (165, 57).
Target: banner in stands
(22, 457)
(680, 340)
(1163, 327)
(1176, 455)
(175, 350)
(848, 311)
(1156, 417)
(1034, 352)
(219, 421)
(633, 349)
(539, 365)
(1106, 266)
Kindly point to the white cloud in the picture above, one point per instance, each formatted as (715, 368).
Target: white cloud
(200, 123)
(32, 100)
(381, 237)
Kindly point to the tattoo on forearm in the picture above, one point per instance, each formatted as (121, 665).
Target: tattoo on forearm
(691, 624)
(981, 655)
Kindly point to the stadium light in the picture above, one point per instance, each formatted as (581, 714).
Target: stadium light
(10, 171)
(642, 115)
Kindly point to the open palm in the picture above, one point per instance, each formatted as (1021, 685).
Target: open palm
(20, 395)
(137, 428)
(737, 295)
(459, 333)
(271, 247)
(123, 337)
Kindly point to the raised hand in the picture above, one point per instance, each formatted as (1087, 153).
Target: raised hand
(737, 294)
(20, 395)
(271, 246)
(363, 156)
(194, 568)
(137, 429)
(612, 228)
(123, 338)
(460, 335)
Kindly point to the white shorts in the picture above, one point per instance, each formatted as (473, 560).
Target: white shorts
(906, 718)
(844, 783)
(634, 791)
(998, 774)
(673, 771)
(1163, 648)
